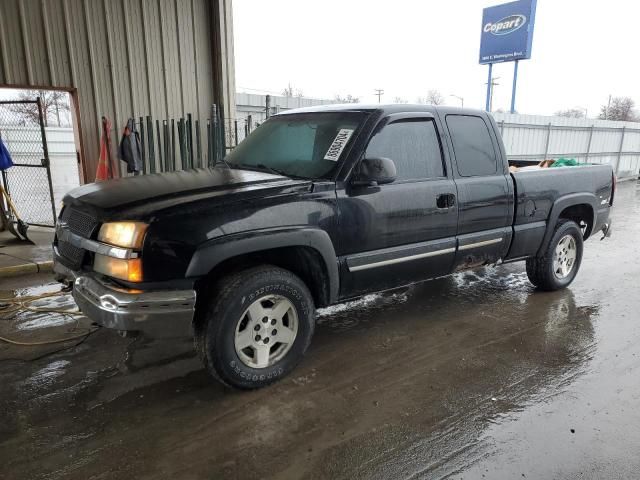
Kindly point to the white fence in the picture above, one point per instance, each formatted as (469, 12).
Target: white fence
(64, 161)
(534, 138)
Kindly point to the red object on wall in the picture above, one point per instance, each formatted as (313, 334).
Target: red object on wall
(105, 169)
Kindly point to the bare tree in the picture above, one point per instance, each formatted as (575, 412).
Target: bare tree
(620, 108)
(348, 99)
(434, 97)
(289, 91)
(54, 103)
(571, 113)
(399, 100)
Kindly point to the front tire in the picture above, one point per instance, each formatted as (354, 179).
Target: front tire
(257, 327)
(558, 265)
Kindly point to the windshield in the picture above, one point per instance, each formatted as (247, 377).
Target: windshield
(307, 145)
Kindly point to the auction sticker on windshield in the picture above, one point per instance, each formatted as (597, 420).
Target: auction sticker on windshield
(338, 144)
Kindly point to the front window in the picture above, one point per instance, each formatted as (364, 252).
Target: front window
(306, 145)
(414, 147)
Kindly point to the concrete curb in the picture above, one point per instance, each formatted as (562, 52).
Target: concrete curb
(26, 268)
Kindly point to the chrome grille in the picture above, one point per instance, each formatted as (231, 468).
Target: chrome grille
(70, 255)
(81, 224)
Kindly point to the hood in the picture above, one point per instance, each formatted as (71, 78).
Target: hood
(131, 191)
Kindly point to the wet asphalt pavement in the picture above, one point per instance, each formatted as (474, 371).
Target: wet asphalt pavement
(472, 376)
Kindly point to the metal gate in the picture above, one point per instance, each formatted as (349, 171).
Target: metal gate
(28, 182)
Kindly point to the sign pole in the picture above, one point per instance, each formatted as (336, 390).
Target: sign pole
(513, 89)
(489, 81)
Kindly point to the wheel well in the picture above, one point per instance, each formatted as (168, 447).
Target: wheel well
(581, 214)
(305, 262)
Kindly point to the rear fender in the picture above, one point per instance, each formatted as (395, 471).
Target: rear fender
(560, 205)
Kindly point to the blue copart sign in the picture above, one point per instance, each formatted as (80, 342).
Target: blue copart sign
(507, 32)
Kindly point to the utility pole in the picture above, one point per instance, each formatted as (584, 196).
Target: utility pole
(606, 113)
(379, 93)
(487, 107)
(513, 88)
(490, 88)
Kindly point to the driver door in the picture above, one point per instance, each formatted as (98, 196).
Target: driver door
(404, 231)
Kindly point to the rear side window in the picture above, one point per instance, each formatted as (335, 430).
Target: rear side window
(413, 146)
(475, 155)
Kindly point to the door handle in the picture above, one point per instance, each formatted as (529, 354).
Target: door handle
(445, 200)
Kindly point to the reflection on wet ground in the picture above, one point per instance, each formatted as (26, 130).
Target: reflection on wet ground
(471, 376)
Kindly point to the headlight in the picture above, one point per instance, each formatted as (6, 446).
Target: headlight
(123, 234)
(124, 269)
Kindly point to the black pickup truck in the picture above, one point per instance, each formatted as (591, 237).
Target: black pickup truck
(315, 207)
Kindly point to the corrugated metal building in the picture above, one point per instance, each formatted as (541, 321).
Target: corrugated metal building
(121, 58)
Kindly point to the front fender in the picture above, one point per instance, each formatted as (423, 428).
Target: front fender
(214, 252)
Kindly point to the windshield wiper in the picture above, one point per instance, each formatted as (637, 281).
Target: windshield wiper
(280, 172)
(261, 167)
(273, 170)
(222, 160)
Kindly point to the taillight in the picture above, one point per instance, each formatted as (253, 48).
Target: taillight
(613, 188)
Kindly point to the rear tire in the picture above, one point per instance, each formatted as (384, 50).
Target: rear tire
(559, 263)
(257, 327)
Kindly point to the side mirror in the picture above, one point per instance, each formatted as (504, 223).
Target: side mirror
(375, 171)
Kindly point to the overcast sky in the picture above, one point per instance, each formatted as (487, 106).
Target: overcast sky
(583, 50)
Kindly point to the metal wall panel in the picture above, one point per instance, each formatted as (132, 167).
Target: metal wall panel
(122, 58)
(535, 137)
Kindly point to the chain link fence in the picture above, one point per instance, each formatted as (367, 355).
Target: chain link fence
(28, 182)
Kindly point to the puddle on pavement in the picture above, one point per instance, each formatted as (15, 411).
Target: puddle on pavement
(45, 377)
(450, 352)
(30, 320)
(348, 315)
(36, 319)
(35, 290)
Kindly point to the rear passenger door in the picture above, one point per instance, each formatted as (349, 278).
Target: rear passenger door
(401, 232)
(485, 191)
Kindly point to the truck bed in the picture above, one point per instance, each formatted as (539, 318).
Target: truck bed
(540, 195)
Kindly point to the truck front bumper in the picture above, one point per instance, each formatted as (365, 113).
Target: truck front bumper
(159, 313)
